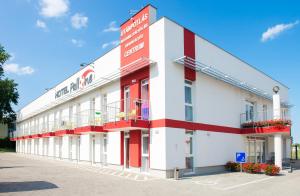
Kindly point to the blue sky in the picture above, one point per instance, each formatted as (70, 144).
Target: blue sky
(48, 39)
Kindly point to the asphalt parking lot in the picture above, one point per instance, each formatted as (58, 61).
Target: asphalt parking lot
(29, 175)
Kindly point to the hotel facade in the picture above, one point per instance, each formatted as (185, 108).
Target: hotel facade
(165, 98)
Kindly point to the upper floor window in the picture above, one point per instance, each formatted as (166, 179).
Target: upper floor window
(188, 100)
(265, 112)
(249, 115)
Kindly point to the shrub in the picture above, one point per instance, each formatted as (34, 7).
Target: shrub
(263, 166)
(248, 167)
(232, 166)
(256, 168)
(272, 170)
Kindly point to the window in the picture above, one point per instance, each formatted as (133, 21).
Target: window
(188, 101)
(249, 112)
(145, 144)
(265, 112)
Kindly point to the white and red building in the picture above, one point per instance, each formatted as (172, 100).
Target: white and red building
(164, 98)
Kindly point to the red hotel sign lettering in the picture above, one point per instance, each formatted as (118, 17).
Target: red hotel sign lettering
(135, 37)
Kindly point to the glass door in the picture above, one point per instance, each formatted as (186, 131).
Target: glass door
(256, 151)
(126, 150)
(145, 151)
(189, 158)
(93, 149)
(105, 149)
(145, 98)
(249, 112)
(126, 101)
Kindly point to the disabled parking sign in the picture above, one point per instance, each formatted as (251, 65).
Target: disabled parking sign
(240, 157)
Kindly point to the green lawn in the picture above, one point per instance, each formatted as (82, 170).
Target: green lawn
(7, 150)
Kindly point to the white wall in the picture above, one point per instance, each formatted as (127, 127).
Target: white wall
(40, 146)
(51, 146)
(174, 88)
(175, 148)
(113, 148)
(157, 71)
(158, 148)
(209, 54)
(103, 67)
(98, 148)
(65, 146)
(212, 148)
(85, 147)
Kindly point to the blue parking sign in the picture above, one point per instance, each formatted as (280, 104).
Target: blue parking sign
(240, 157)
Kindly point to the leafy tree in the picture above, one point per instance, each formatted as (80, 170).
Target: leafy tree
(8, 92)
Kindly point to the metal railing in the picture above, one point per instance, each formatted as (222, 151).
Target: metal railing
(127, 109)
(263, 118)
(82, 118)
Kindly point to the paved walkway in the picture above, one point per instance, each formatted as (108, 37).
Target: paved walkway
(23, 175)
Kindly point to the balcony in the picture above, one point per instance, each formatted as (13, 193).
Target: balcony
(84, 121)
(127, 114)
(262, 122)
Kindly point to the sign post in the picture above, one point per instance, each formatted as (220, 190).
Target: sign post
(240, 157)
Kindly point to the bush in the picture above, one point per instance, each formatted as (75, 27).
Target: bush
(272, 170)
(232, 166)
(6, 143)
(252, 168)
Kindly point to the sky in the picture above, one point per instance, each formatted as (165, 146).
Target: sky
(49, 39)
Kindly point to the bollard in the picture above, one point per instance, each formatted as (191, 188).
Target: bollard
(176, 173)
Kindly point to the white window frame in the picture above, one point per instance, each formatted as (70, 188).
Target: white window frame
(188, 83)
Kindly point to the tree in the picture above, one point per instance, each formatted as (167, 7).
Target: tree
(8, 92)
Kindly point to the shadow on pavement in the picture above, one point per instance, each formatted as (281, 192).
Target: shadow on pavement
(10, 167)
(6, 187)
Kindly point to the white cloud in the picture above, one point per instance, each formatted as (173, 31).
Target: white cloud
(112, 43)
(79, 20)
(16, 69)
(41, 24)
(276, 30)
(78, 43)
(111, 27)
(53, 8)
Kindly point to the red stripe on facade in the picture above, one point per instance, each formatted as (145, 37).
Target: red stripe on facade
(171, 124)
(63, 132)
(189, 51)
(85, 129)
(193, 126)
(133, 124)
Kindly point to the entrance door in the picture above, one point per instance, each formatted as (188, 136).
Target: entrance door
(104, 149)
(256, 151)
(93, 149)
(189, 158)
(71, 148)
(60, 146)
(145, 151)
(78, 148)
(126, 149)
